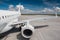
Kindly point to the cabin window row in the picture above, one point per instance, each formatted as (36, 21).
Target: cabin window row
(2, 17)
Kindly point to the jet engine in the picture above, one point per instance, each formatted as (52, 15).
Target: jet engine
(27, 31)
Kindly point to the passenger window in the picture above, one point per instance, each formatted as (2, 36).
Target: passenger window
(3, 17)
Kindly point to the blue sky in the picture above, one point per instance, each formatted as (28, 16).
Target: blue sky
(30, 4)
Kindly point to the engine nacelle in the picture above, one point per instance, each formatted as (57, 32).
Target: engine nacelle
(27, 31)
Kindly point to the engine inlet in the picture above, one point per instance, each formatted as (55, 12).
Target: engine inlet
(27, 32)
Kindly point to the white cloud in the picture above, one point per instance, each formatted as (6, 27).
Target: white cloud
(20, 6)
(47, 11)
(11, 7)
(28, 11)
(57, 9)
(44, 11)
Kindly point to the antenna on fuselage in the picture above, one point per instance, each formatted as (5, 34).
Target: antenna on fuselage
(11, 7)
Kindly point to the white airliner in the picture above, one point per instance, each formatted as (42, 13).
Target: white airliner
(9, 19)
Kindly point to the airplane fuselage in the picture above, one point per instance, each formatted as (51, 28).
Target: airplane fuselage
(5, 18)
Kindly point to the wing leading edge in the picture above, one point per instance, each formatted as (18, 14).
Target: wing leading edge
(35, 19)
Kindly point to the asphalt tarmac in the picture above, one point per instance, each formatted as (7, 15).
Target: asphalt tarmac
(46, 30)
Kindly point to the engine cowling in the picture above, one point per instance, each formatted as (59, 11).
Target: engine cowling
(27, 31)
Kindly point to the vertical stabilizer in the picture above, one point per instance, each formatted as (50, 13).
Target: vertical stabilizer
(56, 15)
(56, 11)
(19, 8)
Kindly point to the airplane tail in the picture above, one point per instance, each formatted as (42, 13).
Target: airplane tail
(19, 8)
(56, 14)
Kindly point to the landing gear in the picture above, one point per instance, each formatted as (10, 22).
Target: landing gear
(20, 28)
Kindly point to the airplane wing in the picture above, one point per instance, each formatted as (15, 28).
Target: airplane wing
(23, 22)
